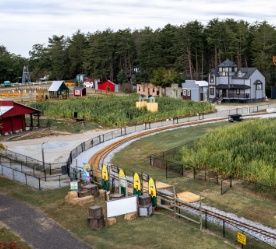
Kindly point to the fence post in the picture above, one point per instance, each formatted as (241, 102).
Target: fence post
(166, 169)
(206, 219)
(39, 186)
(223, 228)
(50, 168)
(151, 160)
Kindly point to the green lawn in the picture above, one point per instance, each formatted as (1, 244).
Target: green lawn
(160, 230)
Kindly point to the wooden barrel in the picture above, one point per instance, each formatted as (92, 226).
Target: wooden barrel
(95, 211)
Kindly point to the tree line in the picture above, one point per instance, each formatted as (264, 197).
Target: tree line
(167, 54)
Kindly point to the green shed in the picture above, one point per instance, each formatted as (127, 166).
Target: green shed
(58, 90)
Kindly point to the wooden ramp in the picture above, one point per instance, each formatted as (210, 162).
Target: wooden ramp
(188, 197)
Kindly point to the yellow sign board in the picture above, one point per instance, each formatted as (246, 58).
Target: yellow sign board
(241, 238)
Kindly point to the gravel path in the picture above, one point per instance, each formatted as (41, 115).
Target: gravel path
(35, 227)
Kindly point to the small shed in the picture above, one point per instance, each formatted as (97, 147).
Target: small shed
(58, 90)
(195, 90)
(107, 86)
(12, 117)
(79, 91)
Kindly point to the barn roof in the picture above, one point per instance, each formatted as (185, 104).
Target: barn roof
(56, 85)
(89, 80)
(8, 105)
(107, 81)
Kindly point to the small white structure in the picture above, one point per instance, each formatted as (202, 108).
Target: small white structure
(195, 90)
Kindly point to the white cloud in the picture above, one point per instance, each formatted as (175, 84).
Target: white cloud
(25, 23)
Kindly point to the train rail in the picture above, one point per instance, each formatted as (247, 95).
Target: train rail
(253, 230)
(97, 160)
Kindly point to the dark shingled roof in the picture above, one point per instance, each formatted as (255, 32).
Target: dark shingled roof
(232, 86)
(246, 71)
(227, 63)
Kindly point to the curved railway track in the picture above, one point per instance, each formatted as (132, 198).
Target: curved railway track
(253, 230)
(97, 160)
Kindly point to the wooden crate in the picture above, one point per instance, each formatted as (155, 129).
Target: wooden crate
(83, 193)
(95, 211)
(93, 189)
(144, 200)
(96, 223)
(115, 196)
(145, 211)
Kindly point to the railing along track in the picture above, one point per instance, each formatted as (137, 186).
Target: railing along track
(97, 158)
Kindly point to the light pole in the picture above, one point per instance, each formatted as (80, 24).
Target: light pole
(42, 152)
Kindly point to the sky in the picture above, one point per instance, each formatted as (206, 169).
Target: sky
(26, 23)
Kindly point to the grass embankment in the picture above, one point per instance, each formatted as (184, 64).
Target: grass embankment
(158, 231)
(155, 232)
(239, 200)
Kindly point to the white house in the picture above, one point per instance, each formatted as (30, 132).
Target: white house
(230, 84)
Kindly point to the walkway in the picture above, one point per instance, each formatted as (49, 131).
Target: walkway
(35, 227)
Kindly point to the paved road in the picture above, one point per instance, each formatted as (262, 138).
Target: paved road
(35, 227)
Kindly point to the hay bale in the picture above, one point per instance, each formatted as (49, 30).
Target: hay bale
(75, 200)
(102, 193)
(131, 216)
(110, 221)
(71, 195)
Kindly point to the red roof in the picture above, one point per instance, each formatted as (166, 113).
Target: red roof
(89, 80)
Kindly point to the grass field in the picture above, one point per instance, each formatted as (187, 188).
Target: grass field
(160, 230)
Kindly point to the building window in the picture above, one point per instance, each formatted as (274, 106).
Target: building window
(259, 86)
(212, 78)
(188, 93)
(184, 92)
(238, 91)
(144, 88)
(211, 91)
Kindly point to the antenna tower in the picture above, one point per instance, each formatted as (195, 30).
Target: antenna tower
(25, 75)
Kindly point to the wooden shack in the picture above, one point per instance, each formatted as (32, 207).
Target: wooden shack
(58, 90)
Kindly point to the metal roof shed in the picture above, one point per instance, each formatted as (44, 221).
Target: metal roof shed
(59, 90)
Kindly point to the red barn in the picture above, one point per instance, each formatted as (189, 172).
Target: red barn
(106, 85)
(12, 117)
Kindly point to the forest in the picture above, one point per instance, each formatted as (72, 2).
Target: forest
(187, 51)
